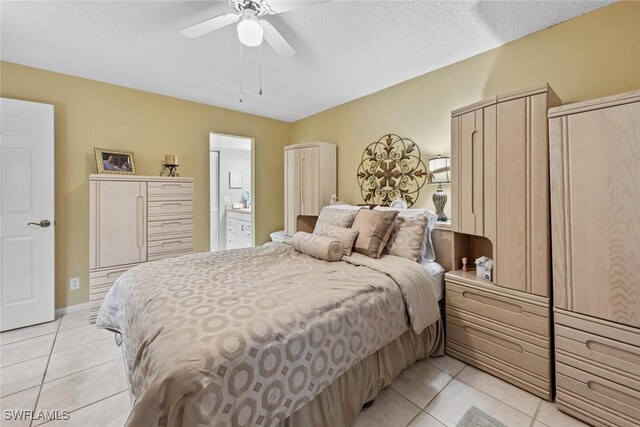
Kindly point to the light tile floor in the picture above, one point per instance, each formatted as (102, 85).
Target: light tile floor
(68, 364)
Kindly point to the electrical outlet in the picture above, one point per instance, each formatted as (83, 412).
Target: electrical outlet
(74, 283)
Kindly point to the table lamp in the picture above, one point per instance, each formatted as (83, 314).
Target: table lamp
(440, 173)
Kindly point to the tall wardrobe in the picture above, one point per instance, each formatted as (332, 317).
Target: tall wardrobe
(135, 219)
(595, 210)
(500, 209)
(310, 180)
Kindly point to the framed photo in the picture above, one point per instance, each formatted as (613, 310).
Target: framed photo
(113, 161)
(235, 179)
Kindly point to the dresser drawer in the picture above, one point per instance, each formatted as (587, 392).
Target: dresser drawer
(507, 345)
(162, 191)
(595, 399)
(180, 244)
(100, 282)
(170, 210)
(600, 347)
(164, 255)
(169, 227)
(508, 310)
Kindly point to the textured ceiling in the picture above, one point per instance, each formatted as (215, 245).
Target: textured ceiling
(345, 49)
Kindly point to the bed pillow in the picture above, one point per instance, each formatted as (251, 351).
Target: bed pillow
(374, 228)
(321, 247)
(346, 235)
(406, 239)
(427, 253)
(337, 216)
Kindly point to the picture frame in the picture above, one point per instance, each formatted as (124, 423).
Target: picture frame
(115, 161)
(235, 179)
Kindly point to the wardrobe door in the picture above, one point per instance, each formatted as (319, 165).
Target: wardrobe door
(596, 200)
(121, 221)
(468, 159)
(522, 196)
(309, 181)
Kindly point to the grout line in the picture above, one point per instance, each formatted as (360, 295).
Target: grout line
(81, 370)
(25, 360)
(3, 344)
(82, 344)
(44, 374)
(500, 400)
(390, 387)
(87, 405)
(535, 416)
(413, 419)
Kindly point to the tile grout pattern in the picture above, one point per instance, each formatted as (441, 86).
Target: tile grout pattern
(84, 374)
(46, 367)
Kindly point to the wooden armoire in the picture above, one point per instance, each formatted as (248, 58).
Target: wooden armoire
(500, 209)
(310, 179)
(595, 207)
(135, 219)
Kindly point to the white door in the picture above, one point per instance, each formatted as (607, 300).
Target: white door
(214, 185)
(26, 213)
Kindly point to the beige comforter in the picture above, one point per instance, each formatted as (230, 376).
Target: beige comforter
(246, 337)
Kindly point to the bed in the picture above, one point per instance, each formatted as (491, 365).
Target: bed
(269, 335)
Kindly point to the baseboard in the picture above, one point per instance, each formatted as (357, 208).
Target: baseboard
(72, 309)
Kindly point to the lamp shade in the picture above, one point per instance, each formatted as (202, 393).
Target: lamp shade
(439, 170)
(250, 31)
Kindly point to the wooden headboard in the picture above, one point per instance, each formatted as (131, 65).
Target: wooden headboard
(443, 245)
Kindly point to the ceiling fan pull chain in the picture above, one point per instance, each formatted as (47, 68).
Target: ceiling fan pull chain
(241, 72)
(260, 56)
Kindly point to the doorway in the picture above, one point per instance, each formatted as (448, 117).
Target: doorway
(231, 192)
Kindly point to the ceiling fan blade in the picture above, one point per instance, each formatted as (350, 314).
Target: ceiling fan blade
(275, 39)
(210, 25)
(271, 7)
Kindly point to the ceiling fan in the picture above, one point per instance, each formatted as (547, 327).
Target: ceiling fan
(252, 29)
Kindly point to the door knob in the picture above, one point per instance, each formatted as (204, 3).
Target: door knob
(44, 223)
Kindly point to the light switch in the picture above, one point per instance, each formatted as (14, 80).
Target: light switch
(227, 199)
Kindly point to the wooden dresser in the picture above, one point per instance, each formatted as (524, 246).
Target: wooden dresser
(595, 205)
(500, 209)
(135, 219)
(310, 179)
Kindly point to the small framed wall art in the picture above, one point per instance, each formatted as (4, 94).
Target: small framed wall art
(114, 161)
(235, 179)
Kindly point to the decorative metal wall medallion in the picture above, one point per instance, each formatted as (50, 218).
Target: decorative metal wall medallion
(391, 168)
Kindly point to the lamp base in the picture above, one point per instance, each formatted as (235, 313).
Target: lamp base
(440, 201)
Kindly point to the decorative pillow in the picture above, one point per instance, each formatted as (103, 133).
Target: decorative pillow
(346, 235)
(336, 216)
(321, 247)
(427, 253)
(374, 228)
(407, 237)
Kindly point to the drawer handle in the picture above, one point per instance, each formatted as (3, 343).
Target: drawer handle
(616, 353)
(494, 339)
(612, 393)
(114, 274)
(171, 224)
(169, 186)
(171, 205)
(170, 244)
(492, 302)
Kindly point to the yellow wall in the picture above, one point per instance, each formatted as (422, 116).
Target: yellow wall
(91, 114)
(590, 56)
(593, 55)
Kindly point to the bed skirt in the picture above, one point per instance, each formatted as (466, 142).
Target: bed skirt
(340, 403)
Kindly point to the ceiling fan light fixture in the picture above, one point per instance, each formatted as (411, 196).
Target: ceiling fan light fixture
(250, 31)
